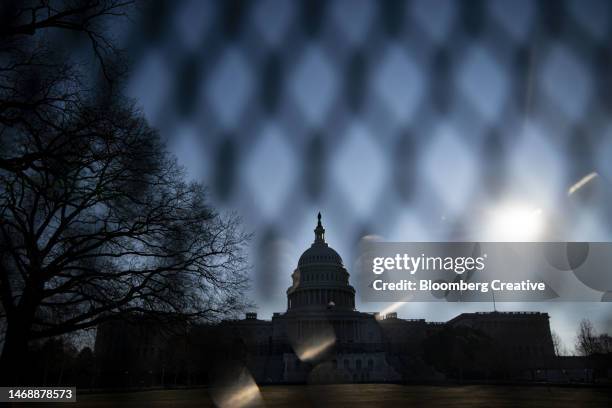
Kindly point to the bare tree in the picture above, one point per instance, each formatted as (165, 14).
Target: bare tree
(103, 224)
(586, 341)
(96, 220)
(27, 18)
(559, 347)
(605, 343)
(34, 74)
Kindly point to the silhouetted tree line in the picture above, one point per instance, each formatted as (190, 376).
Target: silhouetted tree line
(589, 342)
(56, 362)
(134, 353)
(96, 219)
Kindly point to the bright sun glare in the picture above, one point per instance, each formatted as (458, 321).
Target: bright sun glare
(516, 223)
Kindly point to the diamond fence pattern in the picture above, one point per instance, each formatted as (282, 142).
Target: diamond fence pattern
(405, 119)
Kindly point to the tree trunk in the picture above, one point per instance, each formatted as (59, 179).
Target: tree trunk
(14, 353)
(13, 361)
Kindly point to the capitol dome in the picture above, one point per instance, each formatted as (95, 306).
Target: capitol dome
(320, 254)
(320, 279)
(319, 251)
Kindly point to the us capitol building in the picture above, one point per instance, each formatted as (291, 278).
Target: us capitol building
(329, 340)
(322, 338)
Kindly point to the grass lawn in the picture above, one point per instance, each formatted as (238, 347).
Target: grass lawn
(361, 395)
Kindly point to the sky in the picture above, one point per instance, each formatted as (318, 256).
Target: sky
(413, 121)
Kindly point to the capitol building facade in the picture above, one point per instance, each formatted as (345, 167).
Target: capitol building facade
(322, 338)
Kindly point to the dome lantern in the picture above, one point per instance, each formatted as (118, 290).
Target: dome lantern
(319, 231)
